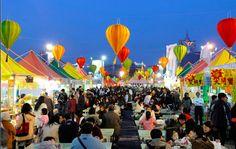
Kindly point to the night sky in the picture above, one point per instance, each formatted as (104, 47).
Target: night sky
(80, 25)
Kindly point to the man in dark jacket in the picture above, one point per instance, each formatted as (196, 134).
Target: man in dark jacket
(62, 100)
(219, 116)
(68, 131)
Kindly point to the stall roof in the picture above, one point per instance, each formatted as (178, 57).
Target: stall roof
(54, 66)
(186, 69)
(11, 68)
(201, 65)
(222, 57)
(70, 69)
(36, 65)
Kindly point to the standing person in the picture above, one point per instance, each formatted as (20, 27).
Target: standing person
(62, 100)
(81, 102)
(68, 131)
(147, 98)
(50, 106)
(40, 104)
(11, 131)
(187, 102)
(71, 108)
(233, 123)
(25, 141)
(219, 116)
(52, 128)
(198, 111)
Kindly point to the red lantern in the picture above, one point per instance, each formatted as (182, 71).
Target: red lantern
(81, 61)
(105, 73)
(155, 68)
(123, 54)
(227, 30)
(139, 77)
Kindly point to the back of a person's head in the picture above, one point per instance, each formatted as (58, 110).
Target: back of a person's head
(48, 139)
(92, 110)
(111, 107)
(213, 97)
(182, 117)
(221, 95)
(86, 128)
(67, 116)
(148, 115)
(155, 133)
(79, 113)
(199, 131)
(26, 108)
(91, 120)
(63, 90)
(44, 111)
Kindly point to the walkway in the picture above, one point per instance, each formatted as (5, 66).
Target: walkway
(129, 132)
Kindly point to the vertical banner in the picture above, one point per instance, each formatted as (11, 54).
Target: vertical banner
(234, 94)
(205, 93)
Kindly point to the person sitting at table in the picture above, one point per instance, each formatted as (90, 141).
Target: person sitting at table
(201, 142)
(139, 106)
(69, 130)
(182, 125)
(148, 108)
(96, 131)
(157, 141)
(92, 113)
(148, 121)
(102, 110)
(210, 132)
(112, 120)
(86, 140)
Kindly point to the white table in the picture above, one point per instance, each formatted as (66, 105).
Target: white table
(107, 133)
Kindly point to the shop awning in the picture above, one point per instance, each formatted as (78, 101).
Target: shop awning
(201, 65)
(36, 65)
(54, 66)
(11, 68)
(70, 69)
(187, 68)
(222, 57)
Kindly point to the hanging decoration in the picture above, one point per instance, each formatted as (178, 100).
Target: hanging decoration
(179, 69)
(227, 31)
(117, 36)
(163, 61)
(10, 31)
(155, 68)
(127, 63)
(81, 61)
(123, 54)
(180, 51)
(58, 51)
(93, 68)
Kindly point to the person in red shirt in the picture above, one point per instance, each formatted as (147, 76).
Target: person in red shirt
(71, 108)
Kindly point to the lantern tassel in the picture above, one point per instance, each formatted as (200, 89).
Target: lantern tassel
(7, 58)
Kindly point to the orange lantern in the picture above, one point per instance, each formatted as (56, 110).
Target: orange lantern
(58, 51)
(163, 61)
(117, 36)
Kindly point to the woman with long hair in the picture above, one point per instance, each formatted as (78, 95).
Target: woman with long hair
(148, 121)
(25, 141)
(52, 128)
(40, 104)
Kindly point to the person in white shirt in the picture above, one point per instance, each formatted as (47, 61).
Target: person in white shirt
(199, 104)
(147, 98)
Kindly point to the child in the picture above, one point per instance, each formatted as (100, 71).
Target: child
(43, 120)
(44, 117)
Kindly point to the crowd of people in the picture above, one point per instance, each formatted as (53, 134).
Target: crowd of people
(50, 123)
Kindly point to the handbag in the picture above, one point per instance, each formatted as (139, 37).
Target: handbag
(81, 142)
(24, 128)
